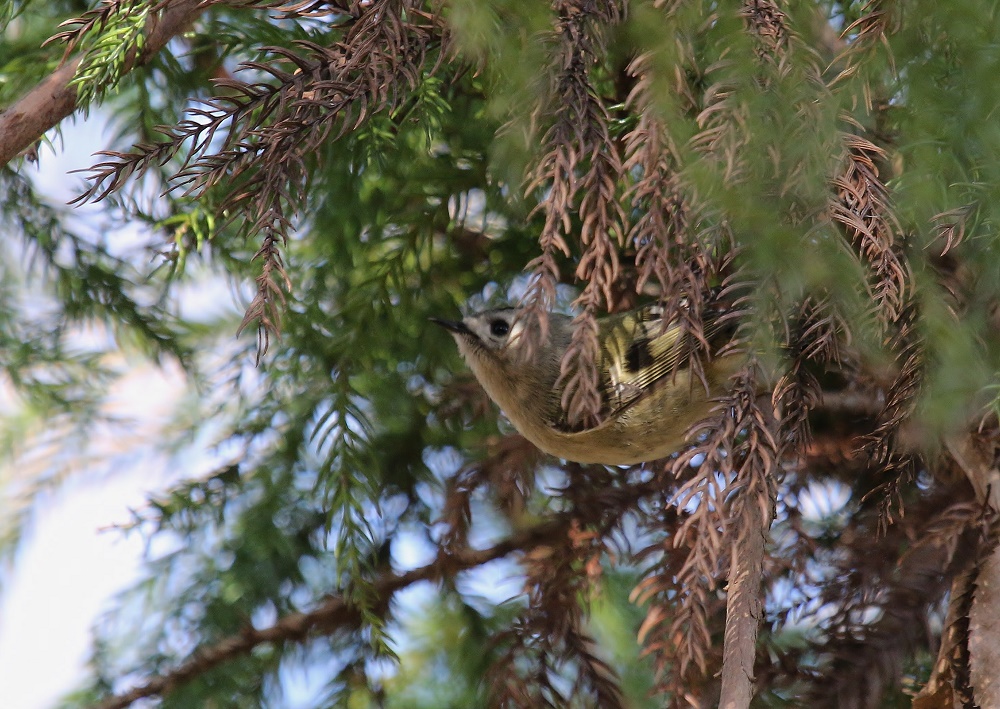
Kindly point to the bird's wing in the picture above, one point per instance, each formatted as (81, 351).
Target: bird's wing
(640, 353)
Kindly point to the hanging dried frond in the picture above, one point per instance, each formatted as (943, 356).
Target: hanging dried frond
(579, 172)
(688, 584)
(672, 255)
(268, 302)
(549, 637)
(508, 472)
(659, 200)
(952, 226)
(813, 338)
(721, 130)
(769, 25)
(723, 118)
(862, 208)
(674, 646)
(888, 448)
(862, 38)
(255, 140)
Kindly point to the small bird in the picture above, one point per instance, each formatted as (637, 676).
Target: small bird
(649, 394)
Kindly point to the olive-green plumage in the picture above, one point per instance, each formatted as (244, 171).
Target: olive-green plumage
(649, 397)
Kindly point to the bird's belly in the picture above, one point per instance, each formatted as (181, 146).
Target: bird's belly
(636, 436)
(653, 427)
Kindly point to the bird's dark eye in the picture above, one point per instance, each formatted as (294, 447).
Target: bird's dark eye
(499, 328)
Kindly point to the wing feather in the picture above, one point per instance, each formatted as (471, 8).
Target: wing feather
(640, 352)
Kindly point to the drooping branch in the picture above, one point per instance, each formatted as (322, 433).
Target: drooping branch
(671, 252)
(862, 206)
(581, 164)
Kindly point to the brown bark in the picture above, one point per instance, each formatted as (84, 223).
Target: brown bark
(744, 608)
(976, 459)
(984, 633)
(754, 512)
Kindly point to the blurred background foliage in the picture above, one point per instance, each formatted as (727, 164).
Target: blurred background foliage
(334, 459)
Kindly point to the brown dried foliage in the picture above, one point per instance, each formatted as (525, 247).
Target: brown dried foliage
(878, 18)
(889, 447)
(814, 337)
(769, 26)
(257, 138)
(579, 171)
(682, 638)
(733, 489)
(952, 225)
(670, 251)
(549, 637)
(862, 208)
(687, 565)
(865, 657)
(507, 471)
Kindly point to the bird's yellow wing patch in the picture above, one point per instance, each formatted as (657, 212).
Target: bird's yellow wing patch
(638, 352)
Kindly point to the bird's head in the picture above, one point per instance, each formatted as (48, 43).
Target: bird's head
(489, 335)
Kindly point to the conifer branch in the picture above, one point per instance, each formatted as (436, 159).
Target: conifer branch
(337, 612)
(334, 614)
(55, 98)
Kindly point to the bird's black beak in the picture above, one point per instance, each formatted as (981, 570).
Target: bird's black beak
(456, 326)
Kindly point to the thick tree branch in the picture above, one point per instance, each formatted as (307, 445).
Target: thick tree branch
(44, 106)
(336, 613)
(753, 509)
(745, 607)
(984, 630)
(975, 457)
(940, 690)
